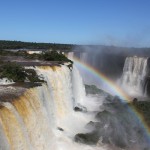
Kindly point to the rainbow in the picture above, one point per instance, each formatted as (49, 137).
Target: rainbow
(116, 89)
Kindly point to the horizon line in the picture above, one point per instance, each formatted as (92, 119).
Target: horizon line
(75, 44)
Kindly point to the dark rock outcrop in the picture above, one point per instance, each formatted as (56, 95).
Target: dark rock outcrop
(61, 129)
(80, 108)
(88, 138)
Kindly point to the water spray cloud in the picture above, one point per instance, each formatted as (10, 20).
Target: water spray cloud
(117, 90)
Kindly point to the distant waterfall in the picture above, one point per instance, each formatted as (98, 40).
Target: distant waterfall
(70, 55)
(84, 57)
(134, 73)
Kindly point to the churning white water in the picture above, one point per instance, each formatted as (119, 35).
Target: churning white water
(5, 81)
(43, 117)
(134, 72)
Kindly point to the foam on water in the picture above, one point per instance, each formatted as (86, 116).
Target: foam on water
(5, 81)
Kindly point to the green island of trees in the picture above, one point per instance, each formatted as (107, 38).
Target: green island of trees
(18, 73)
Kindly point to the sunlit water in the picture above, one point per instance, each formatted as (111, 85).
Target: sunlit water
(34, 120)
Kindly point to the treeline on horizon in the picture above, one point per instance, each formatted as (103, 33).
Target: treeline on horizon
(108, 49)
(4, 44)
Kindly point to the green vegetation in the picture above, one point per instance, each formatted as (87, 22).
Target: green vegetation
(33, 45)
(32, 76)
(12, 53)
(53, 56)
(12, 71)
(45, 55)
(17, 73)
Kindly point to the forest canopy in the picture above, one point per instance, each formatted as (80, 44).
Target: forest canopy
(33, 45)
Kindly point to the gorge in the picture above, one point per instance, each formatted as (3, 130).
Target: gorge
(63, 113)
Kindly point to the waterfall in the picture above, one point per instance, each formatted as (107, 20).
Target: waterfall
(78, 87)
(31, 121)
(70, 55)
(25, 122)
(59, 85)
(134, 73)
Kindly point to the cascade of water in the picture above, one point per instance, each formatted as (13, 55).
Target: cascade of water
(134, 73)
(31, 121)
(25, 122)
(70, 55)
(4, 145)
(59, 83)
(34, 115)
(78, 87)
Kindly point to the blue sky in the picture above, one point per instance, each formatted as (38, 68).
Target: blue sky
(111, 22)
